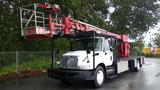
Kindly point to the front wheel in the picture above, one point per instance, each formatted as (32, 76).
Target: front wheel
(99, 77)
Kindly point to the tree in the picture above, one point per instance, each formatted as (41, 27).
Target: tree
(136, 47)
(89, 11)
(10, 39)
(157, 39)
(134, 17)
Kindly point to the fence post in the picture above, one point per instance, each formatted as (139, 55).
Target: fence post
(17, 67)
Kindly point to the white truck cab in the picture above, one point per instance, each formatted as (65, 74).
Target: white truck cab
(81, 56)
(87, 60)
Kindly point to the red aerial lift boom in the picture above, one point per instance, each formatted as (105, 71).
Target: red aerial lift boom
(46, 26)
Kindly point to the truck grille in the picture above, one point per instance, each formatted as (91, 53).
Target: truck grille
(69, 62)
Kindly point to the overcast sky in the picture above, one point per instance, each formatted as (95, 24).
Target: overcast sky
(152, 32)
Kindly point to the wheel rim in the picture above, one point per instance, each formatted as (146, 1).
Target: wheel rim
(138, 66)
(100, 77)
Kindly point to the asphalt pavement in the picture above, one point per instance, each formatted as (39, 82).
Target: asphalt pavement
(148, 78)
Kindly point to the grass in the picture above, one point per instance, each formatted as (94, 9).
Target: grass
(31, 64)
(8, 69)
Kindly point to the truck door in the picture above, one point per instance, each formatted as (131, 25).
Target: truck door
(107, 53)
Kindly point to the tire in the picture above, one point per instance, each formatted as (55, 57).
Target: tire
(137, 68)
(99, 77)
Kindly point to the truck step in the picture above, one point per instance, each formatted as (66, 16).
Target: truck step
(112, 76)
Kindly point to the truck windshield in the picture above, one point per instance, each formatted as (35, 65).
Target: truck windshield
(86, 44)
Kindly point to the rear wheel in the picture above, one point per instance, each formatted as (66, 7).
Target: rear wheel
(99, 77)
(137, 66)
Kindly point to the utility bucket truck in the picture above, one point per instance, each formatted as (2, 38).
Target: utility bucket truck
(95, 55)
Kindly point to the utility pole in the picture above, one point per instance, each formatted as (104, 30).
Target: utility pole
(150, 43)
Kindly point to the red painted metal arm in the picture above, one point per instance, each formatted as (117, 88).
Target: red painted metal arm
(67, 25)
(81, 26)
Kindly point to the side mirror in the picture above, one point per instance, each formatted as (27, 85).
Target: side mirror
(111, 48)
(88, 51)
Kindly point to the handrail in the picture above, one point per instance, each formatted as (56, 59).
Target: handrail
(29, 20)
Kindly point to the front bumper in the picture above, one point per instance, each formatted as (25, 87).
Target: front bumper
(67, 74)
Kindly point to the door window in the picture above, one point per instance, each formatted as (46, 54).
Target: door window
(106, 45)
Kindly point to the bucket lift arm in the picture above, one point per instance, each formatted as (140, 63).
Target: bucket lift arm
(51, 27)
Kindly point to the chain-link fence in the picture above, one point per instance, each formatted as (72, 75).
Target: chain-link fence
(17, 62)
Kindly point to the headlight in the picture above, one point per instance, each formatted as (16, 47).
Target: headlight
(69, 62)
